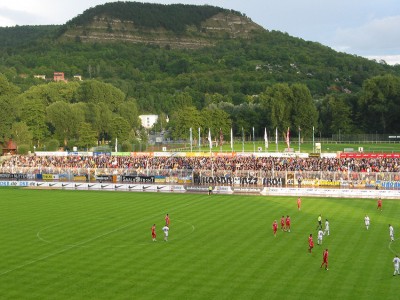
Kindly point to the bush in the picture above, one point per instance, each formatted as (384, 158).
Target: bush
(23, 149)
(52, 145)
(126, 147)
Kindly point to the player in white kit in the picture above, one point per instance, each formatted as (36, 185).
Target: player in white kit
(366, 220)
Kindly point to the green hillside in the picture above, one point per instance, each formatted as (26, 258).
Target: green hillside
(169, 60)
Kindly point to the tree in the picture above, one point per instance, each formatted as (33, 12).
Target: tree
(87, 137)
(182, 120)
(21, 134)
(52, 92)
(304, 113)
(65, 118)
(129, 111)
(119, 128)
(8, 107)
(93, 91)
(277, 103)
(7, 88)
(33, 114)
(336, 116)
(216, 119)
(380, 103)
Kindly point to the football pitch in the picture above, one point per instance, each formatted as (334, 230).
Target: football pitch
(97, 245)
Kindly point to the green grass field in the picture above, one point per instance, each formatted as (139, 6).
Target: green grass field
(97, 245)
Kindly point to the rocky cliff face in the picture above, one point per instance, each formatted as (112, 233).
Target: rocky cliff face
(218, 27)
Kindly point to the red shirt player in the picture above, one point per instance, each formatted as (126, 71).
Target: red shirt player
(167, 220)
(310, 243)
(299, 203)
(325, 259)
(283, 223)
(287, 223)
(275, 227)
(379, 204)
(153, 232)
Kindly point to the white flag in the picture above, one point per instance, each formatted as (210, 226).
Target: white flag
(266, 138)
(209, 138)
(231, 138)
(287, 138)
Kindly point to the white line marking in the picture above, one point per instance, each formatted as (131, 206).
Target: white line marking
(80, 244)
(68, 248)
(390, 248)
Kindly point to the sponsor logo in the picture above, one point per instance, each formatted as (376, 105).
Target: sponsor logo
(247, 190)
(146, 187)
(52, 184)
(77, 185)
(196, 188)
(131, 186)
(118, 186)
(160, 187)
(64, 184)
(90, 185)
(39, 184)
(103, 186)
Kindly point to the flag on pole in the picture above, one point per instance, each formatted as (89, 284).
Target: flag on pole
(242, 139)
(199, 138)
(209, 137)
(287, 138)
(231, 138)
(265, 138)
(276, 135)
(191, 139)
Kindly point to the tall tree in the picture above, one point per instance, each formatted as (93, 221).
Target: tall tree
(182, 120)
(380, 103)
(66, 119)
(304, 113)
(277, 101)
(21, 134)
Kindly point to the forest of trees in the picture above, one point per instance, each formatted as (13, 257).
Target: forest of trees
(272, 80)
(91, 112)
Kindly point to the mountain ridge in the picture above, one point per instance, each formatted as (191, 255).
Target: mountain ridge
(175, 25)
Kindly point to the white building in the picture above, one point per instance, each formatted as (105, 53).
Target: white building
(148, 120)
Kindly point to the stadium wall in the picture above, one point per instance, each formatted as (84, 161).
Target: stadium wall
(218, 189)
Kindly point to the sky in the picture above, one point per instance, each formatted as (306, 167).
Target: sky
(368, 28)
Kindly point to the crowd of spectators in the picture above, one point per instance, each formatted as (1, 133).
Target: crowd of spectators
(231, 164)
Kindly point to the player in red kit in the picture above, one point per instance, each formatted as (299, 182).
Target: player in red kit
(325, 259)
(310, 243)
(153, 232)
(379, 204)
(287, 223)
(283, 223)
(275, 227)
(299, 203)
(167, 220)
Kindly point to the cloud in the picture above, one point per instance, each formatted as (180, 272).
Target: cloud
(389, 59)
(374, 37)
(12, 17)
